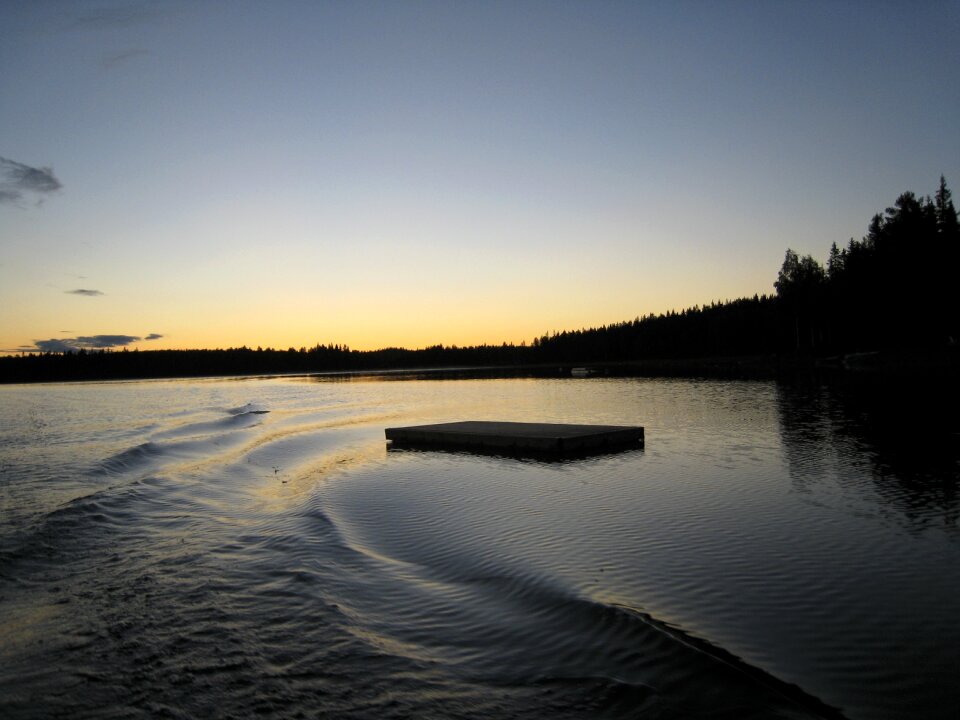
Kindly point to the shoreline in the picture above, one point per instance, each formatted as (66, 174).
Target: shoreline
(894, 363)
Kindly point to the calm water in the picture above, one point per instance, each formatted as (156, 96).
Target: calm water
(249, 547)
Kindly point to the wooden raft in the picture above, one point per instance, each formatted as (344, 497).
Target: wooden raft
(518, 436)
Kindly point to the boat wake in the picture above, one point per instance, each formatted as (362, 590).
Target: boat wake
(241, 561)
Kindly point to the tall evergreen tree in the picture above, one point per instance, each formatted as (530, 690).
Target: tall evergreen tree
(946, 213)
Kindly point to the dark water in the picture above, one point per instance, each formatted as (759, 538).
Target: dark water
(239, 548)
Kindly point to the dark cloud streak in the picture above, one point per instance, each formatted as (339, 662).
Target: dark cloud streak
(86, 293)
(87, 342)
(17, 179)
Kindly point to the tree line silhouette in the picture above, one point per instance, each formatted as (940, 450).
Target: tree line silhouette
(895, 289)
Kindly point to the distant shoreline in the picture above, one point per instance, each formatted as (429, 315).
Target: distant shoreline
(749, 367)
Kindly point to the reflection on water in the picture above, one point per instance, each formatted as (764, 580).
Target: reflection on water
(901, 440)
(238, 547)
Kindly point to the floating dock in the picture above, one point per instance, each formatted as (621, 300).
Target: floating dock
(518, 437)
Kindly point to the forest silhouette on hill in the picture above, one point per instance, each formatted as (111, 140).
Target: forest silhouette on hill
(894, 290)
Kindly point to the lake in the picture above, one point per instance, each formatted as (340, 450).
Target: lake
(239, 547)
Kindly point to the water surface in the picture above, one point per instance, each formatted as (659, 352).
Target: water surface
(237, 547)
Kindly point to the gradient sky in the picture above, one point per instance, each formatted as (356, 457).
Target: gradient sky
(409, 173)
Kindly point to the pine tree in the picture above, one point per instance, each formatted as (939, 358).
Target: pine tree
(946, 213)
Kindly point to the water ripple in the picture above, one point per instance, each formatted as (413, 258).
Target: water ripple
(191, 554)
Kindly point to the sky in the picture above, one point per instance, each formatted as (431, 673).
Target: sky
(280, 174)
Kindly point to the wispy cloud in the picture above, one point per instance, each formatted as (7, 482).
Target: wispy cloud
(86, 342)
(82, 291)
(116, 17)
(18, 180)
(112, 61)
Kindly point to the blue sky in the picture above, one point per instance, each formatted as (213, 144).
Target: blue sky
(410, 173)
